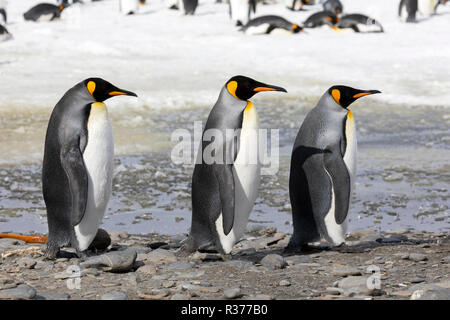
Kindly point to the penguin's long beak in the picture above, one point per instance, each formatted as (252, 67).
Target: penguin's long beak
(121, 92)
(365, 93)
(266, 87)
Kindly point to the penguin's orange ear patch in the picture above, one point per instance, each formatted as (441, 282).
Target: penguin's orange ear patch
(336, 94)
(91, 87)
(231, 87)
(61, 7)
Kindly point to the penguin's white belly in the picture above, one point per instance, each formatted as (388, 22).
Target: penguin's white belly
(246, 173)
(46, 17)
(336, 232)
(240, 10)
(261, 29)
(129, 6)
(98, 160)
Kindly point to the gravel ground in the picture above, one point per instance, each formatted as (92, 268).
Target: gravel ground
(401, 264)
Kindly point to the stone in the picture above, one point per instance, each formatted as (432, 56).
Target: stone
(357, 285)
(416, 280)
(292, 260)
(436, 293)
(47, 295)
(273, 262)
(114, 295)
(180, 265)
(232, 293)
(114, 261)
(284, 283)
(417, 257)
(260, 297)
(393, 177)
(334, 291)
(26, 262)
(161, 256)
(101, 241)
(446, 259)
(21, 292)
(147, 269)
(343, 271)
(180, 296)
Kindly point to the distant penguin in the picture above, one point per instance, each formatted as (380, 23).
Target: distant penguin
(4, 33)
(224, 189)
(173, 4)
(44, 12)
(240, 11)
(323, 167)
(440, 2)
(189, 6)
(296, 5)
(269, 24)
(78, 165)
(359, 23)
(333, 6)
(320, 19)
(69, 2)
(129, 6)
(407, 10)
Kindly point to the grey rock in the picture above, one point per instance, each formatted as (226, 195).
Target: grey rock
(357, 286)
(298, 259)
(180, 296)
(334, 291)
(21, 292)
(239, 264)
(232, 293)
(435, 293)
(45, 295)
(416, 280)
(344, 271)
(260, 297)
(161, 256)
(417, 257)
(115, 261)
(26, 262)
(273, 262)
(446, 259)
(393, 177)
(180, 265)
(147, 269)
(284, 283)
(114, 295)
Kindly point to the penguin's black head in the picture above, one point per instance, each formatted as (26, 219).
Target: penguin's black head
(345, 96)
(101, 89)
(243, 88)
(296, 28)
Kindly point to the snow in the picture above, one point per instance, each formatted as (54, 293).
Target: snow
(177, 61)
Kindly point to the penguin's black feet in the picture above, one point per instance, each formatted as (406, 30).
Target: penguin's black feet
(301, 249)
(51, 252)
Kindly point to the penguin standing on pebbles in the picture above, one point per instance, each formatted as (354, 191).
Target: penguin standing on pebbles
(78, 165)
(323, 168)
(227, 173)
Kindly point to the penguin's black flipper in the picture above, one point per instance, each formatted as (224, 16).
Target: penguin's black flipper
(224, 175)
(337, 169)
(73, 164)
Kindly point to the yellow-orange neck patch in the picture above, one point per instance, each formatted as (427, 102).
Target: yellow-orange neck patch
(349, 114)
(231, 87)
(249, 106)
(91, 87)
(336, 94)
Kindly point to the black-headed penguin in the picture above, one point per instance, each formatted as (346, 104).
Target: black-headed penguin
(44, 12)
(323, 167)
(78, 165)
(226, 178)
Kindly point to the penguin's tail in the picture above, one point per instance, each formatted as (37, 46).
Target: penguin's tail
(27, 239)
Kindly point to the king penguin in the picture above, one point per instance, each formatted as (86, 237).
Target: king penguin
(78, 165)
(224, 189)
(44, 12)
(323, 166)
(270, 24)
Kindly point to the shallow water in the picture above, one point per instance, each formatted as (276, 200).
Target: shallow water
(403, 175)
